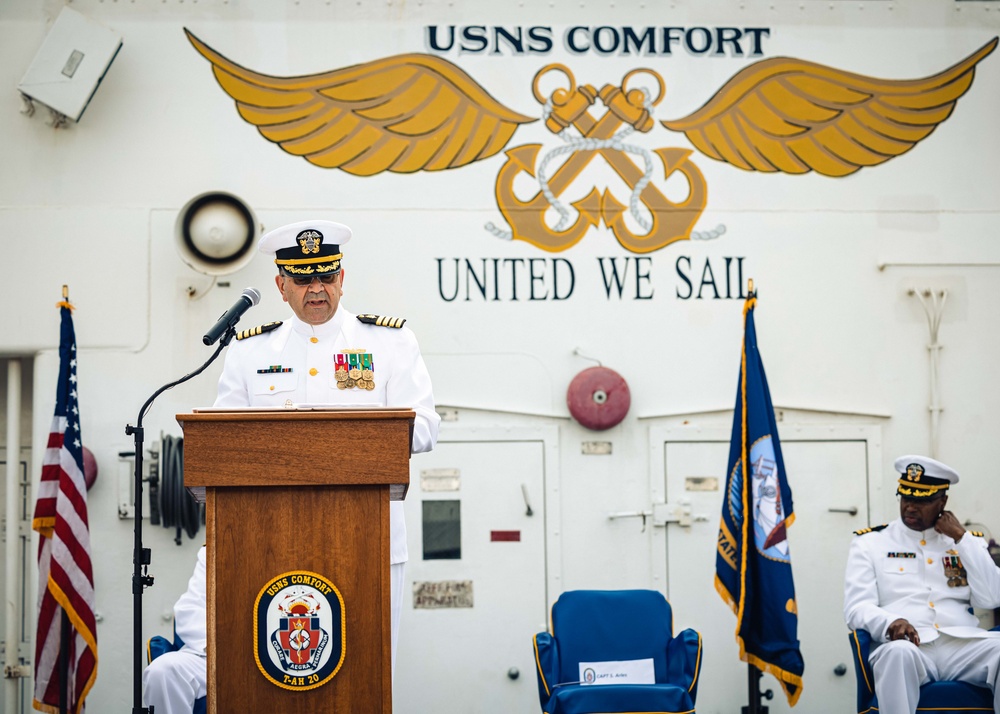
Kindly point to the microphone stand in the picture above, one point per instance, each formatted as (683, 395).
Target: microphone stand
(141, 557)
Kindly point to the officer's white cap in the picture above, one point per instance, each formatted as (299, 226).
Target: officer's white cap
(306, 247)
(922, 476)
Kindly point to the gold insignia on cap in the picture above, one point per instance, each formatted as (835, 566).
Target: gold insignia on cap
(919, 491)
(295, 266)
(912, 486)
(310, 240)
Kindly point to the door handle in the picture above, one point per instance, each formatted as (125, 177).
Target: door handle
(632, 514)
(527, 503)
(853, 510)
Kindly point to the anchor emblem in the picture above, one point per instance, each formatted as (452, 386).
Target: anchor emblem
(419, 112)
(627, 111)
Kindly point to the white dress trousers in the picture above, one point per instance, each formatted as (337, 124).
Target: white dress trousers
(173, 681)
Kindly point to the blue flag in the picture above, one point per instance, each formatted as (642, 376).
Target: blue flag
(753, 565)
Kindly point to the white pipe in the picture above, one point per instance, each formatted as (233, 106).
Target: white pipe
(12, 639)
(933, 304)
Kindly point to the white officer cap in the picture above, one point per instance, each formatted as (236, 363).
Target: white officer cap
(307, 247)
(923, 477)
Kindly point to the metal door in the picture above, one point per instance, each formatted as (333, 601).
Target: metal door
(475, 581)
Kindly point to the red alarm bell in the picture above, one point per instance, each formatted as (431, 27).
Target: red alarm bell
(89, 467)
(598, 398)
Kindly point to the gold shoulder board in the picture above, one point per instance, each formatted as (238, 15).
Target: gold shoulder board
(259, 330)
(873, 529)
(381, 320)
(978, 534)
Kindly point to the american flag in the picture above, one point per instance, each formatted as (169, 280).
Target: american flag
(65, 574)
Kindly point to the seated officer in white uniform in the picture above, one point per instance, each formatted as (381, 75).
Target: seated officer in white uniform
(912, 584)
(324, 354)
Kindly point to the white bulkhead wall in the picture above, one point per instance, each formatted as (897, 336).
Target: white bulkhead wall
(834, 259)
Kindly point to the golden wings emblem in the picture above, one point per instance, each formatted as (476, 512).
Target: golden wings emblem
(794, 116)
(419, 112)
(407, 113)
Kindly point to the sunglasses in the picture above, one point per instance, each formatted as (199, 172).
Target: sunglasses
(327, 279)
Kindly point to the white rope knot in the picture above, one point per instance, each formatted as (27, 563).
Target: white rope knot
(574, 142)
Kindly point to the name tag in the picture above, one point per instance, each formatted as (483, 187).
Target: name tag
(633, 671)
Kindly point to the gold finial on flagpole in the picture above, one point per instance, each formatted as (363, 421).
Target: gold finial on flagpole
(65, 301)
(751, 298)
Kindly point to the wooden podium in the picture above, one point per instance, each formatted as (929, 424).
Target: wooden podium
(290, 492)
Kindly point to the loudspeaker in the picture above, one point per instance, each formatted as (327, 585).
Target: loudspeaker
(216, 233)
(70, 64)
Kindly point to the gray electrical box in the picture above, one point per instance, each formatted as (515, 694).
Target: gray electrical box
(70, 64)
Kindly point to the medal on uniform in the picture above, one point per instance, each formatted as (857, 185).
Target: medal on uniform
(955, 571)
(354, 369)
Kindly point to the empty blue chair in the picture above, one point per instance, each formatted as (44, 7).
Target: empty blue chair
(944, 697)
(616, 635)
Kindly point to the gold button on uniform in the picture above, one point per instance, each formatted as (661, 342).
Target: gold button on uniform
(930, 560)
(900, 570)
(313, 371)
(314, 340)
(923, 542)
(931, 604)
(271, 387)
(937, 626)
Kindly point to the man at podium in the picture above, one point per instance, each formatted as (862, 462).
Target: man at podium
(324, 354)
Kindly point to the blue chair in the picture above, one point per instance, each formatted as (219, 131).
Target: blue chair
(944, 697)
(158, 645)
(614, 626)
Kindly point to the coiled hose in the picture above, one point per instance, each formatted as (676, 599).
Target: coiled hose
(178, 507)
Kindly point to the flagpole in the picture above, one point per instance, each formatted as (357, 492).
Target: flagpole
(753, 691)
(755, 695)
(64, 661)
(753, 674)
(64, 624)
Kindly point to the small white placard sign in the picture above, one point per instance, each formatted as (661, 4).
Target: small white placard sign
(632, 671)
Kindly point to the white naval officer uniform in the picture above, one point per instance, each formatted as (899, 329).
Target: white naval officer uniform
(174, 680)
(401, 379)
(896, 572)
(400, 376)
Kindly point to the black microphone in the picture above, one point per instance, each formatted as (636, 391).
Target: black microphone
(249, 298)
